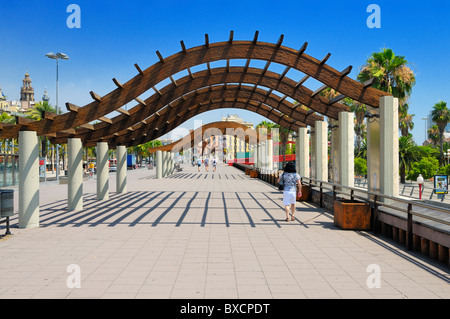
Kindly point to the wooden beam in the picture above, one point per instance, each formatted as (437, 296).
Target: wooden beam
(230, 40)
(72, 107)
(286, 70)
(117, 83)
(336, 99)
(173, 81)
(49, 115)
(303, 48)
(95, 96)
(325, 59)
(183, 47)
(156, 90)
(255, 37)
(369, 82)
(87, 126)
(122, 111)
(280, 41)
(140, 101)
(346, 71)
(303, 80)
(322, 88)
(206, 40)
(160, 56)
(138, 69)
(105, 119)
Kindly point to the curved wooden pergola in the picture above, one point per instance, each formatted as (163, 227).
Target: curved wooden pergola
(207, 130)
(255, 89)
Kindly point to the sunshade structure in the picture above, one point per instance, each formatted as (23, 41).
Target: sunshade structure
(242, 87)
(286, 101)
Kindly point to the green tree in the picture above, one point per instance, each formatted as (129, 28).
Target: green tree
(427, 166)
(433, 134)
(408, 154)
(360, 166)
(405, 120)
(390, 73)
(441, 116)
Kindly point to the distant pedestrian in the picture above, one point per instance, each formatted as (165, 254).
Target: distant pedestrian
(214, 164)
(199, 163)
(290, 181)
(206, 164)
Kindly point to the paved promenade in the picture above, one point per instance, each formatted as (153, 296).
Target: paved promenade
(203, 235)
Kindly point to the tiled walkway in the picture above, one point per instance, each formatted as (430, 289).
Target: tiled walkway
(203, 235)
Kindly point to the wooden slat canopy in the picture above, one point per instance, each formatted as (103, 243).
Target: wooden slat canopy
(168, 106)
(189, 140)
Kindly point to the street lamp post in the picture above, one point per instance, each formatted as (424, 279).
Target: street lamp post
(420, 182)
(56, 57)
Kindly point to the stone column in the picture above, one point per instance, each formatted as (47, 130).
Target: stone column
(75, 178)
(159, 161)
(313, 153)
(269, 146)
(303, 152)
(335, 150)
(172, 162)
(121, 174)
(28, 179)
(102, 171)
(347, 149)
(321, 151)
(389, 162)
(255, 155)
(373, 152)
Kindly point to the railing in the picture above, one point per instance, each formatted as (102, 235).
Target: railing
(377, 200)
(409, 189)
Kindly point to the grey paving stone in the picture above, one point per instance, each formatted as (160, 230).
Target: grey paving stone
(192, 235)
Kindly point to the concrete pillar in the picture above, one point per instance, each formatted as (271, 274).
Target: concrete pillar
(373, 152)
(321, 151)
(313, 153)
(159, 161)
(269, 146)
(102, 171)
(335, 150)
(347, 149)
(303, 152)
(121, 174)
(172, 162)
(28, 179)
(75, 178)
(264, 156)
(389, 163)
(165, 163)
(255, 155)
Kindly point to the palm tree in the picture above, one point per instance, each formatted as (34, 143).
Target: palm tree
(441, 116)
(405, 120)
(360, 128)
(433, 134)
(390, 73)
(408, 154)
(37, 114)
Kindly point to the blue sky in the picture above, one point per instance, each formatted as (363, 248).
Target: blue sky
(116, 34)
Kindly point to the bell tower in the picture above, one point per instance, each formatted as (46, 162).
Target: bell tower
(26, 92)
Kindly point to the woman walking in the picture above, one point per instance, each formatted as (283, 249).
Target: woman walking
(290, 181)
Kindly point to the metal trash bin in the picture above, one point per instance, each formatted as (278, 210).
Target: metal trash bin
(6, 202)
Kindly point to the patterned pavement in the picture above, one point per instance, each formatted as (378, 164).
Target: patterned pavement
(203, 235)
